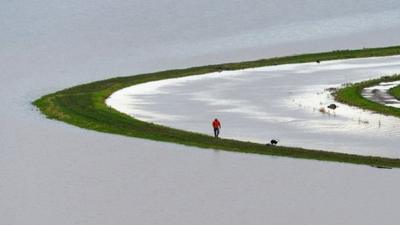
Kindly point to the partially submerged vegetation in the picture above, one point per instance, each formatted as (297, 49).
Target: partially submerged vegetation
(84, 106)
(351, 95)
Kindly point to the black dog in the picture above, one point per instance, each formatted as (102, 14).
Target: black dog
(274, 142)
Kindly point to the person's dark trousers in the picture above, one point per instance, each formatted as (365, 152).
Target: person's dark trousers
(216, 132)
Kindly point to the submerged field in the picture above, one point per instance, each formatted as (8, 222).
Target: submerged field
(84, 106)
(285, 102)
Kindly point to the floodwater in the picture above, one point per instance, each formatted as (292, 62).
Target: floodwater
(54, 173)
(287, 102)
(379, 93)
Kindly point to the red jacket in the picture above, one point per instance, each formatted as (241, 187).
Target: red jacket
(216, 124)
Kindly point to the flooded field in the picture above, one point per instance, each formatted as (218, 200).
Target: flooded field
(287, 102)
(53, 173)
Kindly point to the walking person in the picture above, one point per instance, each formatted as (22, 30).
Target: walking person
(216, 125)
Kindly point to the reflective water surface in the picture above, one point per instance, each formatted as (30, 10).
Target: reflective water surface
(288, 102)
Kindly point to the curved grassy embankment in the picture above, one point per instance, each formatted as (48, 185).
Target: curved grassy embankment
(351, 95)
(84, 106)
(395, 92)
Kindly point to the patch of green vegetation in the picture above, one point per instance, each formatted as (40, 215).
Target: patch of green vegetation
(351, 95)
(84, 106)
(395, 92)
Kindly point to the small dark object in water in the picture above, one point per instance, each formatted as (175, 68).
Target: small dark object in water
(274, 142)
(332, 106)
(317, 61)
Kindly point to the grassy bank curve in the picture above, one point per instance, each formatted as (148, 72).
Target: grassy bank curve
(351, 95)
(84, 106)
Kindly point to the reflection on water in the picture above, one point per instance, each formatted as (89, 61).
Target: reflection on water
(288, 102)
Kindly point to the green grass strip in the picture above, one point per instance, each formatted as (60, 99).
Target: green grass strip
(351, 95)
(395, 92)
(84, 106)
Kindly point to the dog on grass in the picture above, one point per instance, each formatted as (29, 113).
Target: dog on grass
(274, 141)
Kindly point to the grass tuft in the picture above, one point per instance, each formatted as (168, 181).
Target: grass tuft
(395, 92)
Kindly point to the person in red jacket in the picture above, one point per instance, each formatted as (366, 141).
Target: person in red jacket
(216, 125)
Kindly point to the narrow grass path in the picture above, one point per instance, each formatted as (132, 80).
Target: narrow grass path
(84, 106)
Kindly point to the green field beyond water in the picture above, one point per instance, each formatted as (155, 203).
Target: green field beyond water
(84, 106)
